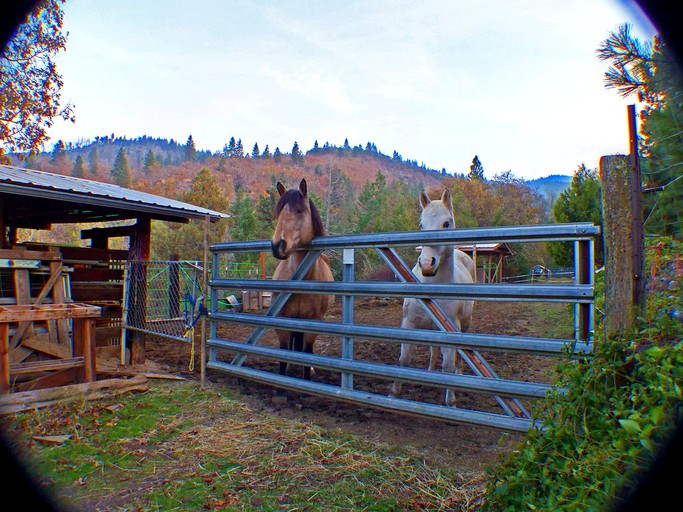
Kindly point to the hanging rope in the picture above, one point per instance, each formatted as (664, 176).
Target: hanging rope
(191, 319)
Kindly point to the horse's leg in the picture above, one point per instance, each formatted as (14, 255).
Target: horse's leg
(285, 338)
(406, 348)
(451, 363)
(309, 342)
(403, 360)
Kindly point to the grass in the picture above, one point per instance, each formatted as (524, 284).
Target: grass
(180, 447)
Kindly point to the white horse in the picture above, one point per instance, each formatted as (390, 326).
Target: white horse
(438, 264)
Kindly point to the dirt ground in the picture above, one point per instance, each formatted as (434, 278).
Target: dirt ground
(464, 447)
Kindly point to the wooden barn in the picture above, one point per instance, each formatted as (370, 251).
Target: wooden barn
(61, 306)
(489, 259)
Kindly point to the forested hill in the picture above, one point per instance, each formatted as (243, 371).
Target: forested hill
(167, 167)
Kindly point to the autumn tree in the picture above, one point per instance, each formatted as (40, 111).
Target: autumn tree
(187, 240)
(30, 85)
(476, 170)
(78, 170)
(121, 171)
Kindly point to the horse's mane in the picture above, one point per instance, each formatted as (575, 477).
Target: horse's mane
(296, 199)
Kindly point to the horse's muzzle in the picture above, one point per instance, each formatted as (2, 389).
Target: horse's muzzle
(279, 249)
(428, 270)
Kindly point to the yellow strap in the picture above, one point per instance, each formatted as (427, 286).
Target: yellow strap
(190, 335)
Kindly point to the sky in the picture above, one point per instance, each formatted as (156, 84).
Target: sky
(515, 82)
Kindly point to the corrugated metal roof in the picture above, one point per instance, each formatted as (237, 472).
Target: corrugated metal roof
(32, 183)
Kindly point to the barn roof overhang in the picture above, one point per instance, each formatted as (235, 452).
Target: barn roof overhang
(37, 199)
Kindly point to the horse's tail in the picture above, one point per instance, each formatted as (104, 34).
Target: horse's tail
(296, 341)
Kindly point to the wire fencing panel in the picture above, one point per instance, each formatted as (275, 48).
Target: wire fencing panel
(164, 298)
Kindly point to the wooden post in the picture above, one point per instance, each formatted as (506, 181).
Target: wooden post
(623, 271)
(205, 289)
(638, 239)
(138, 292)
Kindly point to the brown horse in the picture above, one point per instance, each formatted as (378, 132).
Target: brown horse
(298, 221)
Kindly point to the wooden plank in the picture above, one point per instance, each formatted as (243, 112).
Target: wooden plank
(32, 312)
(46, 365)
(26, 400)
(84, 345)
(93, 255)
(96, 274)
(4, 358)
(54, 277)
(51, 380)
(26, 254)
(41, 343)
(59, 297)
(92, 291)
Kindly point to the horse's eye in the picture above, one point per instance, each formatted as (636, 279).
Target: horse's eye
(447, 224)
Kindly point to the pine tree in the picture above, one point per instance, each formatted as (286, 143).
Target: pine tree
(93, 161)
(266, 152)
(581, 202)
(79, 167)
(476, 170)
(277, 156)
(297, 155)
(150, 161)
(232, 145)
(239, 149)
(190, 151)
(58, 152)
(255, 152)
(121, 171)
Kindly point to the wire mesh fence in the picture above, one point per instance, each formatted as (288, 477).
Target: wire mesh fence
(164, 298)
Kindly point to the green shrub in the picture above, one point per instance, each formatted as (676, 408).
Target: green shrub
(618, 410)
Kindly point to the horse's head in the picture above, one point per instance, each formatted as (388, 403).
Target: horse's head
(436, 214)
(298, 221)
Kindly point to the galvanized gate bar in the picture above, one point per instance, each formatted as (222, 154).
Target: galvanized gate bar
(280, 301)
(503, 234)
(466, 340)
(494, 386)
(472, 358)
(397, 405)
(511, 292)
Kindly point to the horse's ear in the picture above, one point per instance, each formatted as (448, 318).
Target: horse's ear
(281, 188)
(447, 199)
(303, 187)
(424, 199)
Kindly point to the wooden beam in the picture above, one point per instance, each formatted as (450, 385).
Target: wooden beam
(111, 232)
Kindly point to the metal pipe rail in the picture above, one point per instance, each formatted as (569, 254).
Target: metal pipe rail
(464, 340)
(519, 292)
(387, 403)
(501, 387)
(504, 234)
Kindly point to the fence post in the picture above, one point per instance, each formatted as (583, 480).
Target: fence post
(623, 240)
(347, 312)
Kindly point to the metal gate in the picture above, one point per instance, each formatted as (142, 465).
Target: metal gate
(483, 379)
(163, 298)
